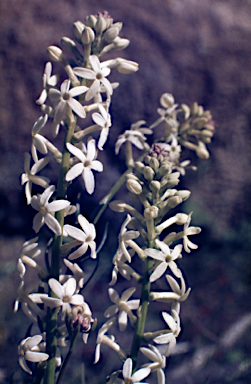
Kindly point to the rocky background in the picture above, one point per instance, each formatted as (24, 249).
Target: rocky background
(198, 51)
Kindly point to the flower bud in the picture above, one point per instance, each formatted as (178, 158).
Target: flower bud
(139, 166)
(199, 122)
(87, 36)
(67, 43)
(90, 21)
(183, 194)
(181, 218)
(194, 108)
(186, 110)
(55, 53)
(184, 127)
(117, 205)
(148, 173)
(151, 212)
(110, 34)
(172, 202)
(126, 67)
(167, 100)
(78, 28)
(100, 25)
(154, 186)
(202, 151)
(154, 163)
(165, 169)
(119, 43)
(134, 186)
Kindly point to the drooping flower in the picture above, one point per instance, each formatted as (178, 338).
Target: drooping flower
(65, 293)
(28, 351)
(126, 235)
(63, 100)
(87, 163)
(135, 135)
(44, 216)
(123, 306)
(78, 273)
(29, 175)
(85, 237)
(166, 258)
(103, 119)
(97, 74)
(103, 338)
(38, 141)
(187, 231)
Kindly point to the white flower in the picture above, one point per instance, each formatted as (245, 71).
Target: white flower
(63, 100)
(102, 338)
(28, 351)
(187, 231)
(121, 267)
(65, 294)
(169, 338)
(135, 378)
(179, 290)
(98, 75)
(125, 235)
(38, 141)
(103, 119)
(166, 259)
(40, 203)
(86, 237)
(172, 149)
(167, 101)
(87, 163)
(48, 82)
(123, 306)
(158, 364)
(30, 177)
(135, 135)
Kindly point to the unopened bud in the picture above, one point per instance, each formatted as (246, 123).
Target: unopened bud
(186, 110)
(117, 205)
(67, 43)
(165, 169)
(78, 28)
(199, 122)
(100, 25)
(148, 173)
(202, 151)
(154, 186)
(154, 163)
(87, 36)
(90, 21)
(181, 218)
(139, 166)
(126, 67)
(110, 34)
(151, 212)
(183, 194)
(119, 43)
(167, 100)
(194, 109)
(172, 202)
(134, 186)
(55, 53)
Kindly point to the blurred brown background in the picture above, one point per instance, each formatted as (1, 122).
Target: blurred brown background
(198, 51)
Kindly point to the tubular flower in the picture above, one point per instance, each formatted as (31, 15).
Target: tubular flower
(87, 163)
(44, 216)
(169, 338)
(85, 237)
(28, 351)
(103, 119)
(98, 75)
(124, 236)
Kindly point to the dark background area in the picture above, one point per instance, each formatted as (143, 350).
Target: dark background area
(198, 51)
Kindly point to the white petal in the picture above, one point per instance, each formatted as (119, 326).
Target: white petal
(74, 172)
(38, 221)
(141, 374)
(74, 232)
(89, 180)
(70, 286)
(127, 368)
(76, 152)
(57, 205)
(53, 224)
(77, 108)
(36, 356)
(76, 91)
(56, 287)
(85, 73)
(158, 272)
(94, 61)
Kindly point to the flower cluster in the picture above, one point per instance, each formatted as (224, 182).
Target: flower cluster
(150, 241)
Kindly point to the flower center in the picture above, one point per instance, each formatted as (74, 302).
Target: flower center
(87, 163)
(43, 210)
(89, 238)
(99, 76)
(66, 298)
(66, 96)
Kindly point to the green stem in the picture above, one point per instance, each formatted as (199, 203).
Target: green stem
(52, 314)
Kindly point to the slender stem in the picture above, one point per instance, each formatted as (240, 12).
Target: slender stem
(52, 314)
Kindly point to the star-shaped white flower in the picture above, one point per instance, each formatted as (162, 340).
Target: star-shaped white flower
(123, 306)
(48, 82)
(102, 338)
(137, 376)
(44, 216)
(103, 119)
(63, 100)
(97, 74)
(158, 362)
(85, 237)
(135, 135)
(29, 175)
(78, 273)
(87, 163)
(166, 258)
(187, 231)
(121, 267)
(169, 338)
(28, 351)
(65, 293)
